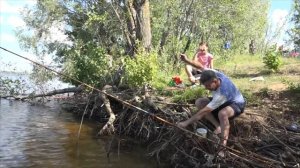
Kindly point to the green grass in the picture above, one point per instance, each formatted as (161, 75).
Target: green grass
(189, 95)
(244, 67)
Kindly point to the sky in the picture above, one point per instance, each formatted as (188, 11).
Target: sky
(279, 14)
(10, 19)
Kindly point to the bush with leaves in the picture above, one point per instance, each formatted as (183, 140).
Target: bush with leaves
(272, 59)
(89, 64)
(141, 69)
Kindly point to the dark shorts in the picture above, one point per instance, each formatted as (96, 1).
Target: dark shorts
(238, 109)
(196, 73)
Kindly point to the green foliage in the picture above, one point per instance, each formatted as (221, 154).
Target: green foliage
(272, 59)
(40, 75)
(189, 95)
(211, 21)
(88, 64)
(141, 69)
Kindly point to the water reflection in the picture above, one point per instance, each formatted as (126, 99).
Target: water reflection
(42, 136)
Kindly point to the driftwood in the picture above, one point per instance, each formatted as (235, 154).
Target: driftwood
(51, 93)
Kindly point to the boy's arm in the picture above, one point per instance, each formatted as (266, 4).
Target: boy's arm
(195, 64)
(196, 57)
(196, 117)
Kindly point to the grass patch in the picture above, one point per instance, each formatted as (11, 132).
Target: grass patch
(190, 95)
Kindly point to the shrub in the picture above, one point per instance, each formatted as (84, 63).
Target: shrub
(88, 64)
(141, 70)
(272, 59)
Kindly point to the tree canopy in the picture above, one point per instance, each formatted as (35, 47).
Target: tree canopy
(98, 35)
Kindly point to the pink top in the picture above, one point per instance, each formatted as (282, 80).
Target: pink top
(205, 59)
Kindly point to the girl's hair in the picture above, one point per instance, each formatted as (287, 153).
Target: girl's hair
(203, 43)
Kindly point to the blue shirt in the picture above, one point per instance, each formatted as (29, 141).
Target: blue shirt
(227, 92)
(227, 45)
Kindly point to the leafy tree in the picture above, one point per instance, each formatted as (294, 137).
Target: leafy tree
(176, 21)
(295, 31)
(101, 24)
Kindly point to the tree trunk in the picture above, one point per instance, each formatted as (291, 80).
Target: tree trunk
(142, 10)
(145, 25)
(165, 34)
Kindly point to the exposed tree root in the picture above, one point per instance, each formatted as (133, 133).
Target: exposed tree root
(108, 128)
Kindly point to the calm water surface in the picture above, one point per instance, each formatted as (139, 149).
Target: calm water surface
(45, 136)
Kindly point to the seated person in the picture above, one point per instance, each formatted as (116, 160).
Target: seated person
(202, 56)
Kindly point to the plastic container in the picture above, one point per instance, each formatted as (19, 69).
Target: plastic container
(202, 132)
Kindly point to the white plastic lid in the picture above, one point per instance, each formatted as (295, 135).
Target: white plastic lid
(202, 131)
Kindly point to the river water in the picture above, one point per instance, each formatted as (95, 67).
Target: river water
(45, 136)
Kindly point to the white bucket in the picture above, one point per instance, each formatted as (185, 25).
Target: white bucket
(202, 132)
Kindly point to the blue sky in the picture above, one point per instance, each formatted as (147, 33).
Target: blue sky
(280, 11)
(10, 19)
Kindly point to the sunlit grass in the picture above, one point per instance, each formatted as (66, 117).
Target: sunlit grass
(241, 69)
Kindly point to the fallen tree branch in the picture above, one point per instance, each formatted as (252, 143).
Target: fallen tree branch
(51, 93)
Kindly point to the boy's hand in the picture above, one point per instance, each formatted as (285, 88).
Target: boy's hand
(181, 124)
(183, 57)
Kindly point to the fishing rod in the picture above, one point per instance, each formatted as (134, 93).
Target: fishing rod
(263, 159)
(91, 87)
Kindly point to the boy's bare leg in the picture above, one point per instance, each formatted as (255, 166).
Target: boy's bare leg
(224, 116)
(188, 70)
(201, 103)
(213, 120)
